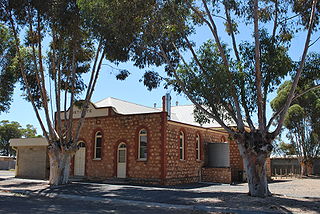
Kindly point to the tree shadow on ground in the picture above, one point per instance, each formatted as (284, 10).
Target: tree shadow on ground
(21, 184)
(212, 198)
(311, 177)
(31, 204)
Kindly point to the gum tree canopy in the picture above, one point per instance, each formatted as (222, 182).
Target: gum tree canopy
(228, 79)
(48, 46)
(303, 117)
(232, 82)
(10, 130)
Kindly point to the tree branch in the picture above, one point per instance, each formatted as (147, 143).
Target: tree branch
(236, 52)
(93, 81)
(314, 42)
(293, 99)
(24, 77)
(73, 77)
(257, 69)
(299, 71)
(195, 57)
(275, 23)
(43, 88)
(57, 84)
(213, 28)
(183, 87)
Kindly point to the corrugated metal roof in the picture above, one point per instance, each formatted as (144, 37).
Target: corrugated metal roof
(125, 107)
(184, 114)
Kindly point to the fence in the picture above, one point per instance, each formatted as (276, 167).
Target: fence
(7, 163)
(290, 167)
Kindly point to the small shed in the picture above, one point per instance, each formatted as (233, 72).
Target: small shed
(32, 157)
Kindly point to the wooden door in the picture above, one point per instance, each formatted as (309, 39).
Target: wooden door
(80, 160)
(122, 160)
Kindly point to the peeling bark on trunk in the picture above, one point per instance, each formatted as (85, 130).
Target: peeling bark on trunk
(254, 151)
(59, 165)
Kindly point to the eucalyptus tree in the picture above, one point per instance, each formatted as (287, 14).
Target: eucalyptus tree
(13, 129)
(53, 47)
(227, 80)
(303, 117)
(232, 82)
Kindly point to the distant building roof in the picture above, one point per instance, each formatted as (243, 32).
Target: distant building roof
(125, 107)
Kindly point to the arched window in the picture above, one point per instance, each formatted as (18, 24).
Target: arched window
(143, 144)
(181, 145)
(81, 144)
(198, 147)
(98, 145)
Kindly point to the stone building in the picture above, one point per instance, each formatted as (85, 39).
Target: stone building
(32, 158)
(124, 140)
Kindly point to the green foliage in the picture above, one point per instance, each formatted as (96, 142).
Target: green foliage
(8, 76)
(282, 94)
(275, 61)
(213, 77)
(9, 130)
(287, 148)
(294, 118)
(303, 7)
(34, 21)
(116, 23)
(151, 80)
(303, 117)
(213, 87)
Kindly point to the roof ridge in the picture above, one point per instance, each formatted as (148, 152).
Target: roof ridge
(128, 102)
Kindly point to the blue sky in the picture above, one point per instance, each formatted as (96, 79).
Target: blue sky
(134, 91)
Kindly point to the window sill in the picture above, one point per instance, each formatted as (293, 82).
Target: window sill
(142, 160)
(96, 159)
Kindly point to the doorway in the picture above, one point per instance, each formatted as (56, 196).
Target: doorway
(80, 160)
(122, 160)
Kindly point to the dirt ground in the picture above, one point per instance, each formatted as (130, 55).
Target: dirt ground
(289, 195)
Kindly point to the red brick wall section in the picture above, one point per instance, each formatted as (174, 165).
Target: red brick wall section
(117, 129)
(217, 175)
(188, 170)
(236, 161)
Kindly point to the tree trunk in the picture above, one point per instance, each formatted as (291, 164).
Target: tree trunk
(254, 151)
(306, 167)
(59, 165)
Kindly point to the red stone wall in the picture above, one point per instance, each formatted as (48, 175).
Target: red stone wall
(236, 162)
(163, 164)
(189, 169)
(217, 175)
(116, 129)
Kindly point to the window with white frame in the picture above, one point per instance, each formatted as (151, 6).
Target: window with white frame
(143, 144)
(198, 147)
(181, 145)
(98, 146)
